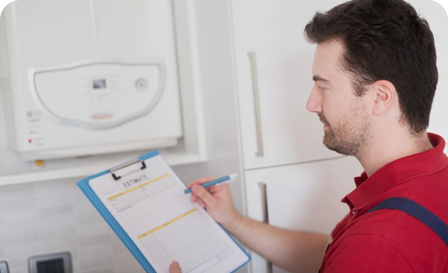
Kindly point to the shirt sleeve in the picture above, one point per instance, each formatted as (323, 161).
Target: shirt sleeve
(365, 253)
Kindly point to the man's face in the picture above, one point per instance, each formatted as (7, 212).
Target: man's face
(347, 126)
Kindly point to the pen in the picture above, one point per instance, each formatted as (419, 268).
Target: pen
(224, 179)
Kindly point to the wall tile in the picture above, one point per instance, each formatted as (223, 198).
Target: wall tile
(2, 254)
(22, 238)
(128, 267)
(61, 246)
(101, 269)
(17, 197)
(13, 204)
(96, 251)
(89, 217)
(14, 221)
(125, 262)
(21, 191)
(60, 234)
(95, 263)
(23, 251)
(56, 211)
(57, 187)
(18, 265)
(55, 216)
(95, 240)
(49, 201)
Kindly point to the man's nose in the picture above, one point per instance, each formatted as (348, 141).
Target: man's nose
(314, 103)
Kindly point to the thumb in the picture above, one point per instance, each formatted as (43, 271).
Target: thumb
(204, 194)
(175, 268)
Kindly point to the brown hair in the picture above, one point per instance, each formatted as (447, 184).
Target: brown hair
(384, 40)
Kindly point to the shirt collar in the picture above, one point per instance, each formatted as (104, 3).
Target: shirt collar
(397, 172)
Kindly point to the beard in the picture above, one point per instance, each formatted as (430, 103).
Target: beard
(349, 135)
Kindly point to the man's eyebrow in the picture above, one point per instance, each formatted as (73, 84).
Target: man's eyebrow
(320, 79)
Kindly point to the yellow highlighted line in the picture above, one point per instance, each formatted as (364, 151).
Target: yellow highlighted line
(138, 187)
(167, 223)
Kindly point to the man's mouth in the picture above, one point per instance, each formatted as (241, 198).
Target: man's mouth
(326, 125)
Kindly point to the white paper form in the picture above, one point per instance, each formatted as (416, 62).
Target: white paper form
(164, 225)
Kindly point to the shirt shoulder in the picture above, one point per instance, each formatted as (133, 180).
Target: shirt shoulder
(411, 241)
(365, 253)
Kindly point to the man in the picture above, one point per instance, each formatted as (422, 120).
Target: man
(375, 77)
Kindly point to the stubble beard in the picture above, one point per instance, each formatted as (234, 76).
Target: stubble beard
(349, 136)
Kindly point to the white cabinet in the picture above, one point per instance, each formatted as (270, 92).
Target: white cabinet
(300, 197)
(281, 141)
(274, 80)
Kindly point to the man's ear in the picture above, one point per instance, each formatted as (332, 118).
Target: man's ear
(385, 95)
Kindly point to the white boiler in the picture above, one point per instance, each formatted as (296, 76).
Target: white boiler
(89, 76)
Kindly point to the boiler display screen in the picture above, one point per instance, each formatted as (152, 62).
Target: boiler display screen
(99, 84)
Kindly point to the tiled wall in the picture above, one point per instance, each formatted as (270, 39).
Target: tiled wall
(55, 216)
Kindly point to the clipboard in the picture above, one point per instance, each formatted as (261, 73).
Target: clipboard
(138, 165)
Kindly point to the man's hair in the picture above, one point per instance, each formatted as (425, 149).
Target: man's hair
(384, 40)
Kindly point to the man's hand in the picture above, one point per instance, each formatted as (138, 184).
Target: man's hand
(175, 268)
(293, 250)
(217, 200)
(219, 203)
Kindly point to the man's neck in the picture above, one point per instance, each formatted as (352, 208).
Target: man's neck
(385, 148)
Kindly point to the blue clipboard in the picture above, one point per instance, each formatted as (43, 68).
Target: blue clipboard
(113, 223)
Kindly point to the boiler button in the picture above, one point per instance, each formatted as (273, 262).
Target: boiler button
(102, 115)
(141, 84)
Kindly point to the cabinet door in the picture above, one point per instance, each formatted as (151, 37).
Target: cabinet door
(300, 197)
(276, 127)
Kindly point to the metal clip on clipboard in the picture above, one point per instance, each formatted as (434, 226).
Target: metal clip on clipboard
(130, 163)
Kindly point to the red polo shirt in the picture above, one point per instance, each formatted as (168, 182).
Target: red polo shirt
(391, 240)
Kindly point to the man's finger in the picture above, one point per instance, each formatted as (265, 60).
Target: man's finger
(175, 268)
(194, 198)
(204, 194)
(201, 203)
(215, 189)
